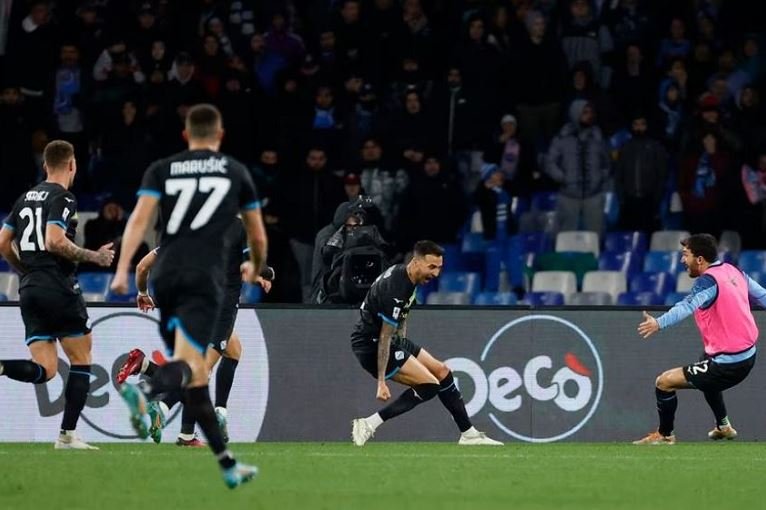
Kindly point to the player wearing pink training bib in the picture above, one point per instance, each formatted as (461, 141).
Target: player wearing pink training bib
(719, 301)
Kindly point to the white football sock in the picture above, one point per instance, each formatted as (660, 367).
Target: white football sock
(374, 421)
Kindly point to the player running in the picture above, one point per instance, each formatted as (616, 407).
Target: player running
(225, 346)
(199, 192)
(719, 302)
(380, 343)
(37, 241)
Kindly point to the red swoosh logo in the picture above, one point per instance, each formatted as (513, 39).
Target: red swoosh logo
(576, 365)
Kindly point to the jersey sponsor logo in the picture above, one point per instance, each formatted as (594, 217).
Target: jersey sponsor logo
(560, 385)
(36, 196)
(211, 165)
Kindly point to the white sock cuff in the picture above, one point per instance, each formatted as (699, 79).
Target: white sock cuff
(374, 421)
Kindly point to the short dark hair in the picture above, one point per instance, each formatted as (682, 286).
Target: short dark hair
(423, 248)
(57, 154)
(203, 121)
(702, 245)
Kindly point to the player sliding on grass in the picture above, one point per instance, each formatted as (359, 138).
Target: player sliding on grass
(225, 345)
(199, 193)
(380, 344)
(719, 302)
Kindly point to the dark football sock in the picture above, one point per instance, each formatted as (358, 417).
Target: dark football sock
(453, 401)
(201, 408)
(22, 370)
(715, 401)
(172, 398)
(151, 369)
(224, 378)
(667, 403)
(408, 400)
(187, 421)
(169, 378)
(75, 393)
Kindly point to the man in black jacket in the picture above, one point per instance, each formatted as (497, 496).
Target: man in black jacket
(640, 178)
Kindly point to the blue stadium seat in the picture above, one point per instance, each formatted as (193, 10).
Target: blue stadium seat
(752, 260)
(728, 256)
(4, 266)
(472, 252)
(460, 282)
(663, 261)
(659, 283)
(495, 299)
(94, 283)
(535, 242)
(675, 297)
(544, 201)
(452, 257)
(626, 241)
(628, 262)
(493, 265)
(422, 292)
(130, 297)
(544, 298)
(3, 297)
(758, 276)
(639, 299)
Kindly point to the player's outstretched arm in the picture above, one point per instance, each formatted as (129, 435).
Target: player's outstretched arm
(256, 239)
(144, 300)
(58, 243)
(384, 348)
(8, 250)
(132, 238)
(755, 291)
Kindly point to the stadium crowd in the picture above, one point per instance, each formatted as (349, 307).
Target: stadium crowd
(433, 108)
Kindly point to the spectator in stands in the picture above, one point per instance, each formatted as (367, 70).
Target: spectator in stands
(753, 178)
(578, 160)
(629, 23)
(640, 175)
(411, 79)
(69, 93)
(633, 84)
(539, 88)
(458, 111)
(701, 66)
(416, 36)
(748, 119)
(307, 202)
(108, 228)
(709, 120)
(283, 42)
(327, 121)
(506, 148)
(413, 130)
(676, 46)
(670, 116)
(350, 33)
(752, 62)
(584, 88)
(352, 186)
(266, 176)
(480, 68)
(585, 39)
(384, 185)
(117, 61)
(494, 202)
(183, 91)
(364, 120)
(434, 206)
(210, 66)
(701, 180)
(17, 170)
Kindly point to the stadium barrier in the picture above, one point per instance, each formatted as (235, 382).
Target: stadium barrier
(525, 374)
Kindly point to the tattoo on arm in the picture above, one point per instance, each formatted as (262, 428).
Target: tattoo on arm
(71, 251)
(384, 346)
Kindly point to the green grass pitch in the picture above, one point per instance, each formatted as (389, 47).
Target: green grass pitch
(390, 476)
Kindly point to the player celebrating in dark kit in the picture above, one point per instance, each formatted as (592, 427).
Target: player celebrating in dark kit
(380, 344)
(37, 240)
(721, 308)
(199, 193)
